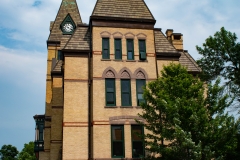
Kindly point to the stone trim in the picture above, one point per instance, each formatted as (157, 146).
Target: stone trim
(106, 71)
(105, 34)
(117, 35)
(143, 76)
(122, 74)
(129, 35)
(141, 36)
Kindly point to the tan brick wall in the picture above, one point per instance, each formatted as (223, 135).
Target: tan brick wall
(76, 68)
(56, 124)
(57, 82)
(75, 102)
(101, 141)
(75, 143)
(44, 155)
(47, 135)
(55, 151)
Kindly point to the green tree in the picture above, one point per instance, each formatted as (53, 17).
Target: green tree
(221, 58)
(8, 152)
(27, 152)
(184, 125)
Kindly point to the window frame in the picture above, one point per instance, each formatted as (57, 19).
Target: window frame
(112, 141)
(132, 141)
(142, 51)
(115, 49)
(114, 91)
(130, 40)
(103, 49)
(137, 82)
(130, 95)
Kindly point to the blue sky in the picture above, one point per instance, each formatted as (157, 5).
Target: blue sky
(24, 29)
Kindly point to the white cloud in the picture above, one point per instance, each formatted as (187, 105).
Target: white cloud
(27, 66)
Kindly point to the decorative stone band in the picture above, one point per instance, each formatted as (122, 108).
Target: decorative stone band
(75, 124)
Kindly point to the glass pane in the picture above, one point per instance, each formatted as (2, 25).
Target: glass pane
(136, 131)
(117, 133)
(105, 43)
(125, 85)
(110, 98)
(126, 99)
(140, 96)
(140, 85)
(110, 83)
(129, 45)
(105, 54)
(142, 45)
(118, 54)
(117, 44)
(137, 149)
(117, 149)
(130, 55)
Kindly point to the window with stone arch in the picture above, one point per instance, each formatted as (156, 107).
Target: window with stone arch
(110, 88)
(140, 75)
(126, 96)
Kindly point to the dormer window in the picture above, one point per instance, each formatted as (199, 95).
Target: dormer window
(68, 26)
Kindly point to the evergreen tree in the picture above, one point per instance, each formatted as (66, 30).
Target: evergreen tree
(183, 124)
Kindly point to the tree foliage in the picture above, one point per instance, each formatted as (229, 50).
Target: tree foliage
(8, 152)
(221, 58)
(27, 152)
(183, 124)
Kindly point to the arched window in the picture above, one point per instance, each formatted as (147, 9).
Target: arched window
(110, 89)
(140, 84)
(126, 88)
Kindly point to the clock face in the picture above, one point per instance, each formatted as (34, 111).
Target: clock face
(68, 27)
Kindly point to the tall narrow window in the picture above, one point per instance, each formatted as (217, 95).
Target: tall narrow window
(130, 49)
(126, 92)
(137, 141)
(110, 92)
(118, 49)
(117, 141)
(142, 49)
(140, 84)
(59, 56)
(105, 48)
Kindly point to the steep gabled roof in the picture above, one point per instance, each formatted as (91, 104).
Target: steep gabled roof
(67, 7)
(80, 40)
(162, 45)
(187, 61)
(136, 9)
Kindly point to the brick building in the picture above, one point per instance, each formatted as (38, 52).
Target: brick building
(95, 75)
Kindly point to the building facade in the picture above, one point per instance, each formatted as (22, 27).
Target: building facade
(95, 75)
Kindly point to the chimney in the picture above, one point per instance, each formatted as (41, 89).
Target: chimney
(176, 39)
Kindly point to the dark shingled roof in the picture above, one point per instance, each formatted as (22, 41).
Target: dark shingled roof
(58, 66)
(80, 40)
(122, 8)
(67, 7)
(187, 61)
(162, 45)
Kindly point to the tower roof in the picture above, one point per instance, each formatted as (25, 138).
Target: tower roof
(136, 9)
(67, 7)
